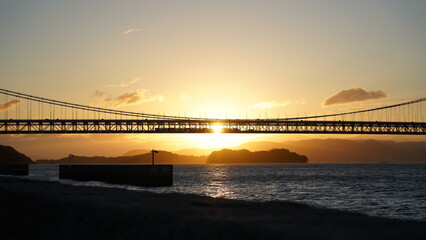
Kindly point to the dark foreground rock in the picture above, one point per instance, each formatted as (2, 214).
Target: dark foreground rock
(33, 209)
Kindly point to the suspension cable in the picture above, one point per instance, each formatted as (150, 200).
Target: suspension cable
(167, 117)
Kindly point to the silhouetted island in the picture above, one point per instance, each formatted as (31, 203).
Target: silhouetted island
(245, 156)
(349, 151)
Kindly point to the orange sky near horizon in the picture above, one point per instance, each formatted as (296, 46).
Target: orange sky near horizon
(216, 59)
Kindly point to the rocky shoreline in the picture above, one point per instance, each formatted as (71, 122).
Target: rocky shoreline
(33, 209)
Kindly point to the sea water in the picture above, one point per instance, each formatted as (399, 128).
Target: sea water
(389, 190)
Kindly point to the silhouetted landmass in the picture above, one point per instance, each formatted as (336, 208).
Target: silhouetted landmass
(245, 156)
(32, 209)
(259, 146)
(317, 150)
(340, 151)
(136, 152)
(8, 155)
(196, 151)
(222, 156)
(362, 151)
(162, 158)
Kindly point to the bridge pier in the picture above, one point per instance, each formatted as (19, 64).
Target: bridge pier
(139, 175)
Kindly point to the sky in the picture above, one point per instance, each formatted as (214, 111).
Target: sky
(220, 59)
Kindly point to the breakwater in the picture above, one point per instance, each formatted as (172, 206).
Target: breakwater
(139, 175)
(14, 169)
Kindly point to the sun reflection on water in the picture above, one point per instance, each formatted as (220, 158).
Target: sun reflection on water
(216, 179)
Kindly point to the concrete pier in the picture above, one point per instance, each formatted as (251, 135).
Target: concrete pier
(139, 175)
(14, 169)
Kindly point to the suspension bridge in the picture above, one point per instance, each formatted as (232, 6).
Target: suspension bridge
(28, 114)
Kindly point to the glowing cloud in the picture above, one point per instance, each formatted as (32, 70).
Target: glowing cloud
(9, 105)
(134, 98)
(132, 30)
(356, 94)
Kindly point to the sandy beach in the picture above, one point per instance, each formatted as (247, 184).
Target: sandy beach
(32, 209)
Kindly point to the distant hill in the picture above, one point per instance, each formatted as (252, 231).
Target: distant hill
(186, 151)
(136, 152)
(162, 157)
(338, 150)
(245, 156)
(346, 151)
(326, 150)
(196, 151)
(8, 155)
(259, 146)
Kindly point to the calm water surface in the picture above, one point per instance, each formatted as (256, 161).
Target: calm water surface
(390, 190)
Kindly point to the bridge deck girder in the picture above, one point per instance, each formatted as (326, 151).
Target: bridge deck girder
(47, 126)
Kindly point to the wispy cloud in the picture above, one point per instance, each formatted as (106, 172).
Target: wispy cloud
(9, 105)
(134, 98)
(102, 93)
(124, 84)
(273, 104)
(131, 30)
(184, 96)
(98, 93)
(355, 94)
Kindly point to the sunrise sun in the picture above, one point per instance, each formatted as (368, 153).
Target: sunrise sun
(217, 128)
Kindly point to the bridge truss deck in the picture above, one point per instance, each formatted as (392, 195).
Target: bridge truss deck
(209, 126)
